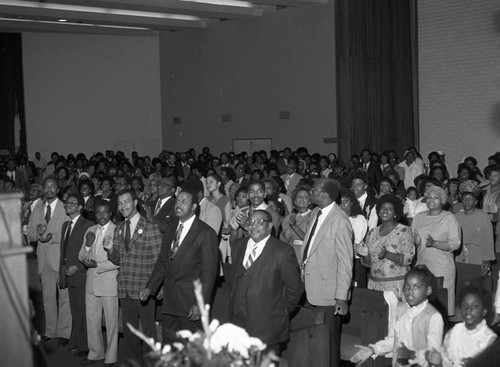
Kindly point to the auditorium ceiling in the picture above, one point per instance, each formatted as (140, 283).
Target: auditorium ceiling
(133, 17)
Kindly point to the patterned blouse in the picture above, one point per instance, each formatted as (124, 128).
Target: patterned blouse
(386, 275)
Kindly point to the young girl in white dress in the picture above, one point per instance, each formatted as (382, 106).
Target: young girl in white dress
(470, 337)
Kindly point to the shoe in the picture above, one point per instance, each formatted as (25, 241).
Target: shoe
(75, 349)
(63, 342)
(82, 353)
(46, 339)
(91, 361)
(108, 364)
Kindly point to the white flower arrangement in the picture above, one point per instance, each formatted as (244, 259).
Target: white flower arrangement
(225, 345)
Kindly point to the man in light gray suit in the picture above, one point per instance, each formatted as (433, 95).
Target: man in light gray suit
(101, 292)
(327, 256)
(45, 226)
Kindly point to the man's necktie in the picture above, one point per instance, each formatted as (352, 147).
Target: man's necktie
(66, 239)
(98, 241)
(313, 229)
(127, 235)
(251, 258)
(365, 166)
(158, 207)
(48, 214)
(177, 242)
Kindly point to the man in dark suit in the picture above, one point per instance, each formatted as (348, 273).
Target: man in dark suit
(266, 285)
(162, 212)
(136, 246)
(372, 169)
(189, 252)
(16, 176)
(72, 273)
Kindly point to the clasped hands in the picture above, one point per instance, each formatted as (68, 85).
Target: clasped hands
(43, 235)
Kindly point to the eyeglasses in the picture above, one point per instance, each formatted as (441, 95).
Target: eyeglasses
(258, 222)
(70, 203)
(163, 184)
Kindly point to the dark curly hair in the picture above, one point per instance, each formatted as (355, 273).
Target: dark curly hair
(394, 201)
(356, 208)
(483, 294)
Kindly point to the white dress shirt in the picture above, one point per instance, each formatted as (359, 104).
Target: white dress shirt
(324, 213)
(186, 226)
(251, 245)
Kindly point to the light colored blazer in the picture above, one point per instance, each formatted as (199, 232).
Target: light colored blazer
(101, 281)
(211, 215)
(328, 268)
(48, 253)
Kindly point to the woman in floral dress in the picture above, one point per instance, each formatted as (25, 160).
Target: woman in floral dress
(389, 248)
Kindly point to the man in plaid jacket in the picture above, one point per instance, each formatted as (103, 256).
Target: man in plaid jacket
(136, 246)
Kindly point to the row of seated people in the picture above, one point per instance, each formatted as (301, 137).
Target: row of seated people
(387, 250)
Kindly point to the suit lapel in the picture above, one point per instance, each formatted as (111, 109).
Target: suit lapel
(188, 240)
(321, 231)
(139, 229)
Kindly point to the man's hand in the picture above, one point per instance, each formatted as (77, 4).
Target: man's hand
(71, 270)
(362, 355)
(485, 268)
(46, 237)
(434, 358)
(107, 243)
(405, 354)
(194, 313)
(429, 242)
(89, 263)
(361, 250)
(149, 212)
(159, 296)
(89, 239)
(144, 294)
(341, 307)
(41, 228)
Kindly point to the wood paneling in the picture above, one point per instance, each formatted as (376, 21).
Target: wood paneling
(375, 75)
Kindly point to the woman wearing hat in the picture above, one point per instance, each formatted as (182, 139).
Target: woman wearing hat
(437, 235)
(477, 230)
(389, 248)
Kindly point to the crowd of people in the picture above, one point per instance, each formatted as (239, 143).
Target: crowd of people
(286, 229)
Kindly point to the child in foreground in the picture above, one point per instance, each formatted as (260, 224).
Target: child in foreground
(470, 337)
(418, 326)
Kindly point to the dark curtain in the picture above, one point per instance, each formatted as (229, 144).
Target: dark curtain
(376, 75)
(11, 93)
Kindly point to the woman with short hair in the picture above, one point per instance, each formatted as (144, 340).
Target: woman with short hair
(437, 234)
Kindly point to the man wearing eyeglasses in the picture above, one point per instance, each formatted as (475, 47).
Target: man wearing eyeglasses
(72, 273)
(190, 251)
(266, 286)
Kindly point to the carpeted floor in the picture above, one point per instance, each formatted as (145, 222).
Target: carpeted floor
(49, 354)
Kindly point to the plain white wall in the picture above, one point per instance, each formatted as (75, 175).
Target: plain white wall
(252, 70)
(88, 93)
(459, 78)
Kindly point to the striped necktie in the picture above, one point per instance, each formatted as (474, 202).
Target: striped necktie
(177, 241)
(251, 257)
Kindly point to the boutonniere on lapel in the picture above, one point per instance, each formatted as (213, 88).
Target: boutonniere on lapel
(140, 231)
